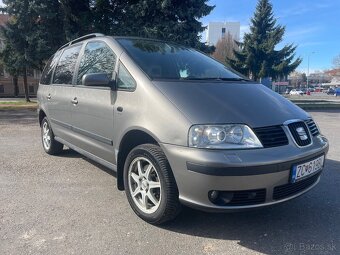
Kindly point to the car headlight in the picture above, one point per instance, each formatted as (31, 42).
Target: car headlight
(232, 136)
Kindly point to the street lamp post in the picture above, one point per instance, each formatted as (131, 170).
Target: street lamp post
(308, 68)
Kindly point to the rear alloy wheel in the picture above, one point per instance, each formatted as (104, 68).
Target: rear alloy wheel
(50, 145)
(149, 184)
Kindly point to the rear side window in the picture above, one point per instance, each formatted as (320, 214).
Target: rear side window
(48, 70)
(65, 69)
(98, 58)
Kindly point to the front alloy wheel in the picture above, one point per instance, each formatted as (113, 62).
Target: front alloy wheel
(150, 185)
(144, 185)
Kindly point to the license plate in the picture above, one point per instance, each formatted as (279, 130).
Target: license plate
(302, 171)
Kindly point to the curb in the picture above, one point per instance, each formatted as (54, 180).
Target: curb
(318, 106)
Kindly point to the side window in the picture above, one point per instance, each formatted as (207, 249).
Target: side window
(48, 70)
(125, 81)
(65, 69)
(98, 58)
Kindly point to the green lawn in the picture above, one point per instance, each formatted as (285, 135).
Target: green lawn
(21, 102)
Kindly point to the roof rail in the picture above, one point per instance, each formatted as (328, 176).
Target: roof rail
(82, 38)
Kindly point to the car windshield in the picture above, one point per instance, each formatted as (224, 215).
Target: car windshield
(161, 60)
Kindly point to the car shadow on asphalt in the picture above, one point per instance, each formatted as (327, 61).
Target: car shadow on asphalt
(308, 224)
(69, 153)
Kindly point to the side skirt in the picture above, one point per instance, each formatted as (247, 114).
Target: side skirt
(87, 154)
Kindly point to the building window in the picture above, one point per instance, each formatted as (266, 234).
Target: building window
(2, 89)
(31, 89)
(223, 32)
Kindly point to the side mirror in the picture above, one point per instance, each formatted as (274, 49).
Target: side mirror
(96, 79)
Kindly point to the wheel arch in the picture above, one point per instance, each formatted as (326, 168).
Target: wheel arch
(129, 141)
(41, 116)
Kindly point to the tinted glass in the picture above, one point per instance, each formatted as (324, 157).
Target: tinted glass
(48, 70)
(97, 58)
(65, 69)
(160, 60)
(125, 81)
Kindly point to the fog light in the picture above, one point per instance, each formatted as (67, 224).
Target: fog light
(213, 195)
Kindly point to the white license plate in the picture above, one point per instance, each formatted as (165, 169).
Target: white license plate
(302, 171)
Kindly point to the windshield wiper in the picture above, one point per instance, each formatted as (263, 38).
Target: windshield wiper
(213, 78)
(233, 79)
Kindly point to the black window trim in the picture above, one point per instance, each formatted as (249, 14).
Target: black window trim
(76, 70)
(125, 89)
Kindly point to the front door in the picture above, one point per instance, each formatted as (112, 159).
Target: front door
(93, 107)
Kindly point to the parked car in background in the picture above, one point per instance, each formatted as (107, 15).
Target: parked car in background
(177, 127)
(337, 92)
(296, 92)
(330, 91)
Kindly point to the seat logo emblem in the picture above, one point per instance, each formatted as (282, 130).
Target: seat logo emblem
(302, 133)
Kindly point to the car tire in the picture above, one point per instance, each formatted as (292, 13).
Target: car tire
(50, 145)
(150, 186)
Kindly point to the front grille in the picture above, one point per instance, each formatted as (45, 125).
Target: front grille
(271, 136)
(240, 198)
(291, 189)
(302, 137)
(312, 127)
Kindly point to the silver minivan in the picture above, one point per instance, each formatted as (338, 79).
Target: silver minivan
(177, 127)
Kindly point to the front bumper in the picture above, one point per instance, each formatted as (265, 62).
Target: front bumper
(241, 172)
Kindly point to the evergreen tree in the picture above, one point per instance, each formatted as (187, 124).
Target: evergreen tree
(9, 62)
(258, 56)
(173, 20)
(78, 18)
(32, 34)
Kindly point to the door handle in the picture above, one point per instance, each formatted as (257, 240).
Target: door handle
(74, 101)
(48, 97)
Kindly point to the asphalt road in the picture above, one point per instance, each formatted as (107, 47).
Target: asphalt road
(70, 205)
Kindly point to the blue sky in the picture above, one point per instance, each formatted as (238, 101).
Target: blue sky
(312, 25)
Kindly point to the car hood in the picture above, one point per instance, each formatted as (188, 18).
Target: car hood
(228, 102)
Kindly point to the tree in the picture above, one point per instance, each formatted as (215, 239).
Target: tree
(173, 20)
(77, 17)
(225, 49)
(336, 61)
(32, 34)
(258, 56)
(9, 61)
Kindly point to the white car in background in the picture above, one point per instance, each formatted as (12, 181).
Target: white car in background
(296, 92)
